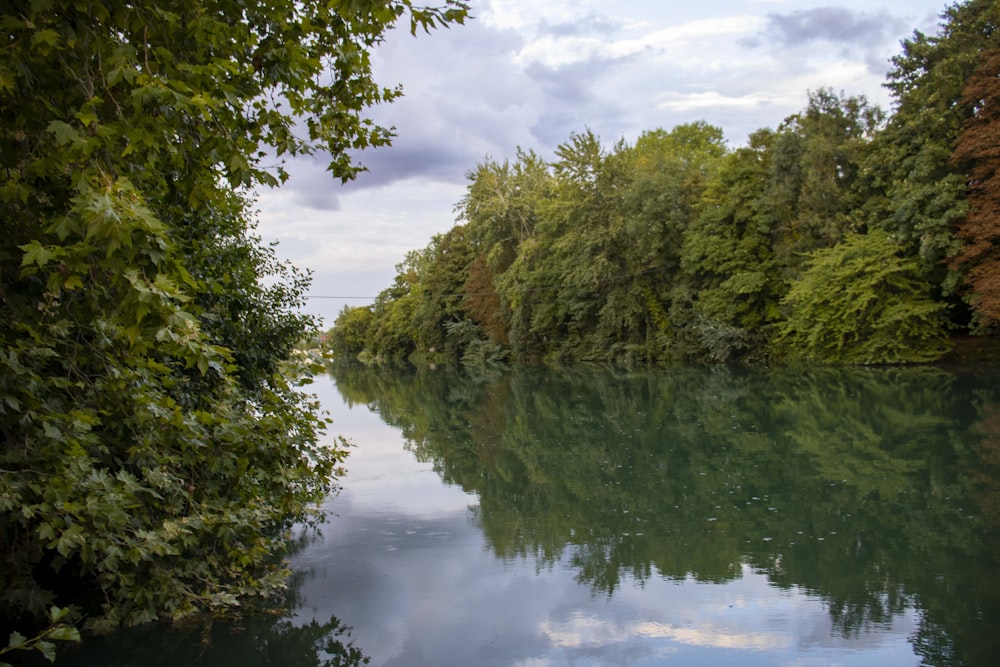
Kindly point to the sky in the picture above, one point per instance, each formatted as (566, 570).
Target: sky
(529, 73)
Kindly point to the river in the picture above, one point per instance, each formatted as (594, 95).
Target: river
(592, 517)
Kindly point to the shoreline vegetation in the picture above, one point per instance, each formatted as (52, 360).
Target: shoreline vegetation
(847, 235)
(156, 448)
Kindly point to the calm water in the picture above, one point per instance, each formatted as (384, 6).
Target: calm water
(597, 518)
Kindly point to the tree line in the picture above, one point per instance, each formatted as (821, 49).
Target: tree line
(846, 235)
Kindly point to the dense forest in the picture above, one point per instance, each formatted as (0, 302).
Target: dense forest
(846, 235)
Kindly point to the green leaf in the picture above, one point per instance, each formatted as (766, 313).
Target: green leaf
(64, 633)
(64, 132)
(48, 649)
(47, 37)
(86, 117)
(45, 531)
(16, 640)
(35, 253)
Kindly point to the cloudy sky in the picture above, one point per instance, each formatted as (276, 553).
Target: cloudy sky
(530, 72)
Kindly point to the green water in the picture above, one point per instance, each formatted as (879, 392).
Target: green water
(673, 517)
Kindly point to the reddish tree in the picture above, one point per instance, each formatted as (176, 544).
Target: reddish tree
(978, 151)
(482, 301)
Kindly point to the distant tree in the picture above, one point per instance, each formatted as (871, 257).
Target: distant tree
(500, 210)
(441, 292)
(349, 335)
(814, 188)
(978, 153)
(483, 303)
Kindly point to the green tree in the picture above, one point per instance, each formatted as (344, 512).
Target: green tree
(391, 335)
(668, 173)
(500, 209)
(814, 187)
(155, 446)
(728, 259)
(922, 190)
(349, 336)
(790, 191)
(441, 295)
(863, 302)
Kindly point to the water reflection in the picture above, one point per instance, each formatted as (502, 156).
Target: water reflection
(278, 638)
(872, 492)
(260, 641)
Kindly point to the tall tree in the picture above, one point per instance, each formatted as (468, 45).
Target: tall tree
(441, 295)
(500, 209)
(669, 171)
(922, 190)
(153, 444)
(728, 259)
(814, 187)
(978, 153)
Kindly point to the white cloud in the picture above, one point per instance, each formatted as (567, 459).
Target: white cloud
(713, 99)
(715, 637)
(526, 15)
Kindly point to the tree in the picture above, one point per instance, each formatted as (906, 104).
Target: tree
(154, 444)
(789, 192)
(909, 162)
(728, 258)
(668, 174)
(500, 209)
(441, 294)
(862, 302)
(349, 334)
(978, 152)
(814, 188)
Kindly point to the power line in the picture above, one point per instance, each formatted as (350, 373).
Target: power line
(523, 290)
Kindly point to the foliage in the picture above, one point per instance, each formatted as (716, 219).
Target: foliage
(391, 333)
(349, 334)
(922, 193)
(860, 302)
(728, 258)
(155, 442)
(441, 296)
(978, 151)
(57, 630)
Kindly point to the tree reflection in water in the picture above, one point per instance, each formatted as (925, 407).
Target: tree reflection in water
(262, 640)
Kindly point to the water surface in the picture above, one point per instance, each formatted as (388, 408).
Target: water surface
(610, 518)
